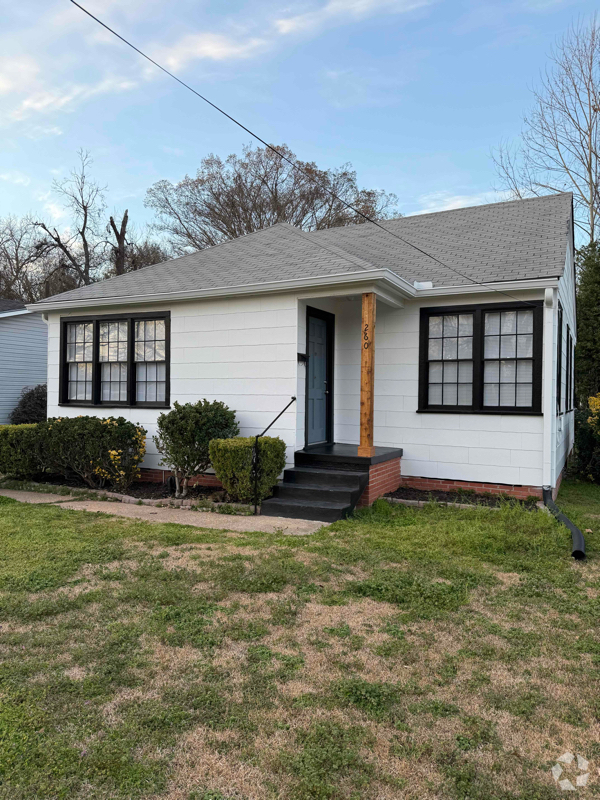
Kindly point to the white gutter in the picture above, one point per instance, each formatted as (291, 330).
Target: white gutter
(386, 276)
(16, 313)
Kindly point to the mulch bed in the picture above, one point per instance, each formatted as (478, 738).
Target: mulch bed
(142, 489)
(492, 500)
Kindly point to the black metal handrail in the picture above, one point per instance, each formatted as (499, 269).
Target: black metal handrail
(256, 457)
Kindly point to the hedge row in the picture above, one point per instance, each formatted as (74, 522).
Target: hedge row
(102, 452)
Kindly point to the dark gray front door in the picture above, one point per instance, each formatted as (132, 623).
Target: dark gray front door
(318, 380)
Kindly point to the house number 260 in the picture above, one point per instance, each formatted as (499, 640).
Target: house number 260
(366, 342)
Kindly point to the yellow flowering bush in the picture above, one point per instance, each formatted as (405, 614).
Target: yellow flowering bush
(102, 452)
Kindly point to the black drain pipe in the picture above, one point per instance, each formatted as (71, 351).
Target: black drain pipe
(578, 542)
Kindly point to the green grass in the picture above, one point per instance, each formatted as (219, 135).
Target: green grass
(436, 652)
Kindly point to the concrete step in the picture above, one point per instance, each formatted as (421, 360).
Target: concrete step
(321, 510)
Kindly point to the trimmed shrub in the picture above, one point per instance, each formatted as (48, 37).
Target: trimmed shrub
(31, 406)
(99, 451)
(184, 435)
(232, 462)
(19, 450)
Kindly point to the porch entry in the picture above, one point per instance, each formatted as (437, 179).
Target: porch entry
(320, 326)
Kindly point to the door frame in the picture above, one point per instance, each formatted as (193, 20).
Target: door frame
(329, 320)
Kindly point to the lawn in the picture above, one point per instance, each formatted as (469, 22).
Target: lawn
(405, 653)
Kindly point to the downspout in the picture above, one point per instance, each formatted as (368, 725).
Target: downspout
(578, 542)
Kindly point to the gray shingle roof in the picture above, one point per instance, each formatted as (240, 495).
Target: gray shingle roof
(498, 242)
(10, 305)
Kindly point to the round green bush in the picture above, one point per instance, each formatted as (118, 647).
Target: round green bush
(232, 462)
(184, 434)
(31, 407)
(19, 451)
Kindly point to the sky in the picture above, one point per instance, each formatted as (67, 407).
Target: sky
(413, 93)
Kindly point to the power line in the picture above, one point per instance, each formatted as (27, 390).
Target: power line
(293, 164)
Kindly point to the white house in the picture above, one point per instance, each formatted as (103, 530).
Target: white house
(435, 353)
(23, 353)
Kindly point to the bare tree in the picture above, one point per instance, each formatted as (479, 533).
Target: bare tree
(558, 147)
(19, 254)
(246, 193)
(120, 248)
(82, 247)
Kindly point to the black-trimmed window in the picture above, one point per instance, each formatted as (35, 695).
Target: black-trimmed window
(483, 359)
(570, 360)
(117, 360)
(559, 351)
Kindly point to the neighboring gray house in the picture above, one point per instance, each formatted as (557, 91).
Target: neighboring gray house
(23, 353)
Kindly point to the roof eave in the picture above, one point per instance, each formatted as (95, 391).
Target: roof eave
(385, 276)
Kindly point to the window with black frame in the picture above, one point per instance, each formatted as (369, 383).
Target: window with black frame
(485, 359)
(118, 361)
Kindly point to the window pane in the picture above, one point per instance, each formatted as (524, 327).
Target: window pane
(508, 346)
(89, 332)
(435, 372)
(141, 392)
(161, 392)
(150, 330)
(492, 346)
(525, 321)
(141, 372)
(465, 325)
(490, 394)
(160, 329)
(450, 372)
(122, 331)
(507, 394)
(435, 394)
(161, 371)
(435, 327)
(524, 371)
(112, 351)
(450, 325)
(450, 394)
(524, 394)
(70, 352)
(492, 324)
(122, 354)
(149, 351)
(465, 347)
(525, 346)
(465, 372)
(70, 333)
(103, 352)
(79, 352)
(150, 372)
(508, 322)
(139, 351)
(465, 394)
(491, 372)
(151, 392)
(160, 351)
(450, 348)
(507, 371)
(435, 348)
(139, 331)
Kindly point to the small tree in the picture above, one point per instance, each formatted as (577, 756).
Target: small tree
(587, 352)
(185, 433)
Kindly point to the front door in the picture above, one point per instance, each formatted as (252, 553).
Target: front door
(319, 377)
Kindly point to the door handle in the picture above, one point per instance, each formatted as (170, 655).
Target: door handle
(326, 390)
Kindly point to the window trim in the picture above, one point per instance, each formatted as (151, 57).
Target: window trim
(569, 404)
(96, 402)
(477, 406)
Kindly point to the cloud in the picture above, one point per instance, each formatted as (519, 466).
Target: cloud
(343, 11)
(208, 47)
(17, 73)
(18, 178)
(54, 211)
(445, 201)
(36, 132)
(62, 99)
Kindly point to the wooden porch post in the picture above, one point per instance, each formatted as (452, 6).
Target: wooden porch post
(367, 375)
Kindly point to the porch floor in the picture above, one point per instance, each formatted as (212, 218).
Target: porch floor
(348, 453)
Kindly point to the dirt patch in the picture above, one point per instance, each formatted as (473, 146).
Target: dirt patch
(490, 500)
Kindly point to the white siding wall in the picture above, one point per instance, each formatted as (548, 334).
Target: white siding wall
(244, 352)
(23, 362)
(240, 351)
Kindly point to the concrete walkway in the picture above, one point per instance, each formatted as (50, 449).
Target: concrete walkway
(178, 516)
